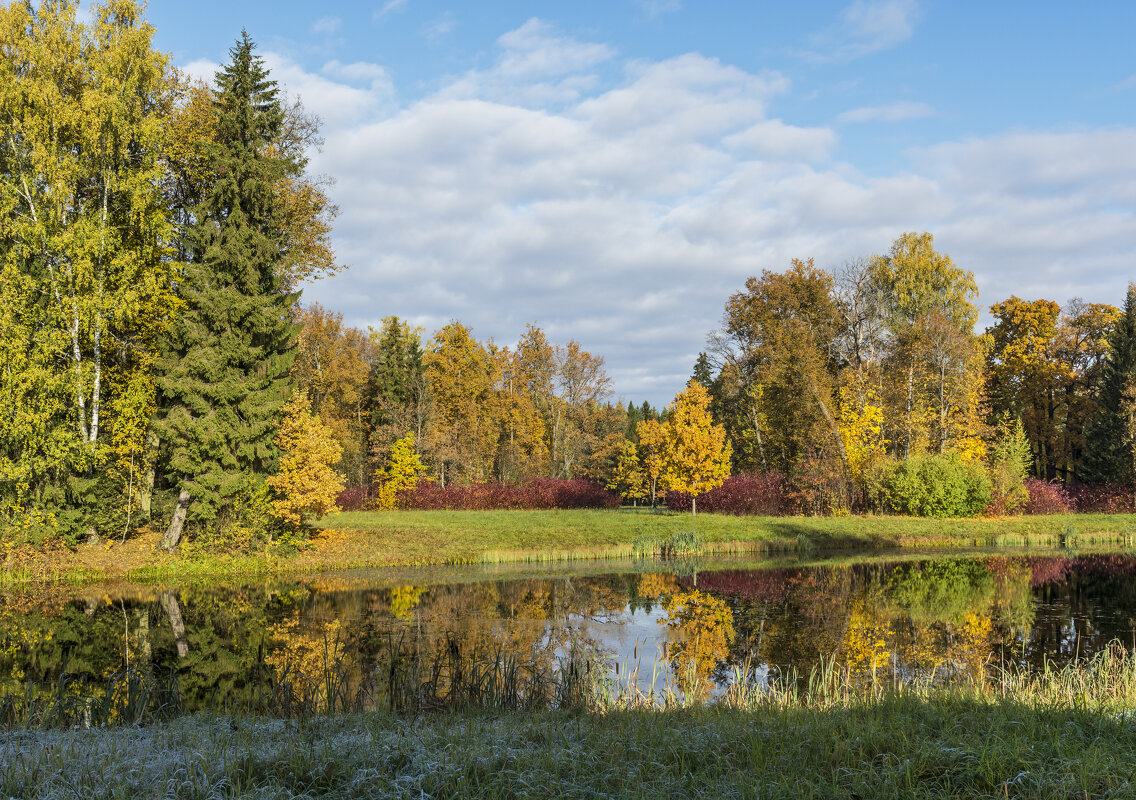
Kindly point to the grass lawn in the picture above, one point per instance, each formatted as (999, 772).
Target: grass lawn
(433, 537)
(362, 539)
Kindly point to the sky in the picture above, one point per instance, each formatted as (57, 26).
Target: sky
(613, 170)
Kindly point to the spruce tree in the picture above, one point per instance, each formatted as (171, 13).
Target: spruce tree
(703, 372)
(224, 376)
(1108, 457)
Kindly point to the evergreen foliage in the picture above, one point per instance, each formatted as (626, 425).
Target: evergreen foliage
(1109, 456)
(224, 375)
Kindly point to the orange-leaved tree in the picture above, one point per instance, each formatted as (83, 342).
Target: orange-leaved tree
(400, 475)
(306, 485)
(697, 453)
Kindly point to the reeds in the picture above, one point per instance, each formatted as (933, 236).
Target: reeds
(411, 681)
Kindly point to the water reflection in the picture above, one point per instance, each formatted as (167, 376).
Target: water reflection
(936, 620)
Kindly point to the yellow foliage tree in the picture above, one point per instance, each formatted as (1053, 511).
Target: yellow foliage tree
(401, 474)
(697, 453)
(861, 422)
(653, 452)
(306, 486)
(628, 478)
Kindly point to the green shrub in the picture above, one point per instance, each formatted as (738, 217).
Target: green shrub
(938, 486)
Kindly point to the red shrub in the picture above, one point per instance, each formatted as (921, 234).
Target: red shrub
(747, 494)
(542, 493)
(354, 498)
(1104, 498)
(1047, 497)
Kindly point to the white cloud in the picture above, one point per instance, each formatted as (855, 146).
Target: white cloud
(774, 140)
(535, 51)
(865, 27)
(1124, 85)
(373, 75)
(894, 112)
(327, 25)
(389, 7)
(440, 28)
(656, 8)
(623, 211)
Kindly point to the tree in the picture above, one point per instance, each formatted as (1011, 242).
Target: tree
(697, 454)
(653, 452)
(332, 365)
(306, 485)
(224, 375)
(775, 351)
(1108, 459)
(462, 375)
(1010, 461)
(401, 473)
(929, 307)
(628, 478)
(1081, 348)
(84, 285)
(1023, 376)
(581, 386)
(397, 394)
(703, 372)
(861, 422)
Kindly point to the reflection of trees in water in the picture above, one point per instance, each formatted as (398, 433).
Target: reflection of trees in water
(945, 618)
(702, 629)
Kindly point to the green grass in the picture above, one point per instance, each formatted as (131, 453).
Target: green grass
(378, 539)
(455, 537)
(1068, 734)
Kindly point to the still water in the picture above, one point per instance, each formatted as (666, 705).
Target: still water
(900, 617)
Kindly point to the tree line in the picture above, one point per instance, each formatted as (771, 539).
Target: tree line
(156, 362)
(832, 379)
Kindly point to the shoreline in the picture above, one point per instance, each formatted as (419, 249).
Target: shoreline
(408, 539)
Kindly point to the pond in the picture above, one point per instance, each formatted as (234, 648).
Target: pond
(372, 639)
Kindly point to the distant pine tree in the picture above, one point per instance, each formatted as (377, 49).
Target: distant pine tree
(703, 372)
(224, 375)
(1108, 458)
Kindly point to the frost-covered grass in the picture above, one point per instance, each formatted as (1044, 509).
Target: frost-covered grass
(895, 747)
(1067, 734)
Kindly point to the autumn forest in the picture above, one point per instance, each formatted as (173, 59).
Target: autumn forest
(159, 367)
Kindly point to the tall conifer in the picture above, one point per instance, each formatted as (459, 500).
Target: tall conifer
(1108, 458)
(224, 376)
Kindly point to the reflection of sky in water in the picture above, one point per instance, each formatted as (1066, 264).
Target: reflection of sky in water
(628, 638)
(1029, 610)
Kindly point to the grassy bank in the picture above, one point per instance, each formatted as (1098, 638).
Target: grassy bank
(1059, 735)
(436, 537)
(359, 540)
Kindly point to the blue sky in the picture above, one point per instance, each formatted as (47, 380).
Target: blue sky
(614, 170)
